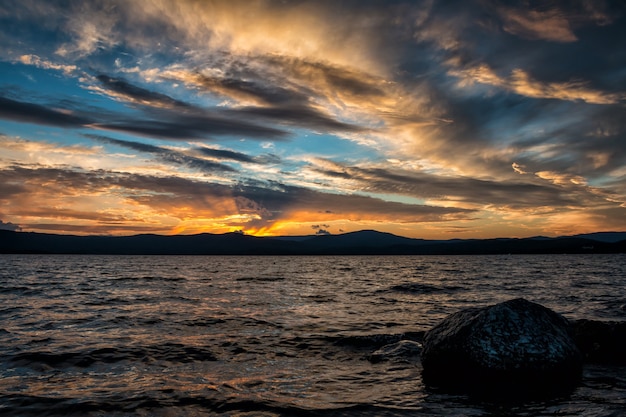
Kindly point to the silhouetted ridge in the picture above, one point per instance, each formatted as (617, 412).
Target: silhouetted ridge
(366, 242)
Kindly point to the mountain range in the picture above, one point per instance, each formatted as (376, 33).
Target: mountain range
(365, 242)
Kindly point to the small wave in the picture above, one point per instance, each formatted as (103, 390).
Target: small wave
(419, 288)
(168, 352)
(10, 310)
(22, 291)
(260, 279)
(321, 298)
(203, 322)
(148, 278)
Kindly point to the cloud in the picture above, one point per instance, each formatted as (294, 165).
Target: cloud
(10, 226)
(174, 199)
(549, 25)
(167, 155)
(519, 168)
(282, 202)
(39, 114)
(93, 31)
(520, 82)
(321, 230)
(256, 90)
(41, 63)
(305, 117)
(263, 27)
(228, 155)
(327, 79)
(190, 126)
(554, 22)
(171, 125)
(554, 190)
(118, 87)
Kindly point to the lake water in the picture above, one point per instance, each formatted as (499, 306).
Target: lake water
(272, 336)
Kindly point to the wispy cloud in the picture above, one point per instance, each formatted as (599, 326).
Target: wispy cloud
(120, 88)
(549, 25)
(30, 59)
(520, 82)
(39, 114)
(167, 155)
(225, 154)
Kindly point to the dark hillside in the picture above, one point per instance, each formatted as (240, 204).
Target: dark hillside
(366, 242)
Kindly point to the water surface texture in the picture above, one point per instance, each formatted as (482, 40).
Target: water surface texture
(272, 336)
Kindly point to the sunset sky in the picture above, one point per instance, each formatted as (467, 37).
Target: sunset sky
(430, 119)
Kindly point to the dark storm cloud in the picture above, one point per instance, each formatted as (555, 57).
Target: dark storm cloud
(345, 80)
(168, 125)
(592, 141)
(300, 116)
(138, 94)
(353, 206)
(179, 126)
(513, 194)
(167, 155)
(69, 180)
(174, 119)
(183, 121)
(275, 201)
(39, 114)
(10, 188)
(270, 202)
(310, 78)
(276, 104)
(260, 91)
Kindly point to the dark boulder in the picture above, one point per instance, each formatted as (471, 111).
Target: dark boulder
(516, 348)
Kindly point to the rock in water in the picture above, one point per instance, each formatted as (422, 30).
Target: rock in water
(516, 348)
(404, 351)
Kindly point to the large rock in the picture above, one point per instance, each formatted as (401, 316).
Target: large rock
(515, 348)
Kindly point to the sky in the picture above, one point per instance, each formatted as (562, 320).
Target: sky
(427, 119)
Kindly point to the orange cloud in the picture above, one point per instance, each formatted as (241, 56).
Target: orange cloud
(38, 62)
(520, 82)
(549, 25)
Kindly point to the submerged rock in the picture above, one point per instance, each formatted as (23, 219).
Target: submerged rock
(404, 350)
(516, 348)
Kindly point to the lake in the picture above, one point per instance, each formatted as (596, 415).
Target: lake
(272, 336)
